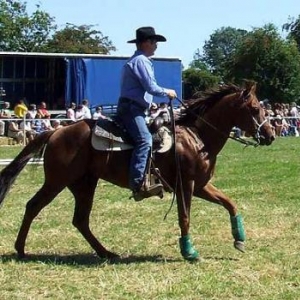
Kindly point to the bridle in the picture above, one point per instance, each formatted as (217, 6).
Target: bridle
(259, 126)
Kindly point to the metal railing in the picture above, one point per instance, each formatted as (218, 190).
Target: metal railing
(32, 161)
(24, 120)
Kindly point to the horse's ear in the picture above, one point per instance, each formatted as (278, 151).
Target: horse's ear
(250, 88)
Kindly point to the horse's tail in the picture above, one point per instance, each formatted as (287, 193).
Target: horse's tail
(10, 173)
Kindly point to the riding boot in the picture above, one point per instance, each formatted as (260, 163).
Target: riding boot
(150, 187)
(148, 191)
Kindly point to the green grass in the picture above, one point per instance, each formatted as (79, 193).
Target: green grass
(263, 181)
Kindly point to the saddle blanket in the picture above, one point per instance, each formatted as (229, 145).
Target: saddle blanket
(108, 135)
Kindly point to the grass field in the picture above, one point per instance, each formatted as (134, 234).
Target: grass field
(263, 181)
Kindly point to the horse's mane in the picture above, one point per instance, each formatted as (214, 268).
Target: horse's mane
(201, 102)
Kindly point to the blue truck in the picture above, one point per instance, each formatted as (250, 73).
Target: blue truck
(61, 78)
(98, 79)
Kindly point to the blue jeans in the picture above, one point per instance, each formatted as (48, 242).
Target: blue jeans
(133, 119)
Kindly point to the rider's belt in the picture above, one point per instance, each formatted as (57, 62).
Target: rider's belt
(130, 101)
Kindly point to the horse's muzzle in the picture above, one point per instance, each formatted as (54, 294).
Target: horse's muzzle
(265, 140)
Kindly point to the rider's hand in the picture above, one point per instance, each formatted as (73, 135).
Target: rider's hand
(171, 94)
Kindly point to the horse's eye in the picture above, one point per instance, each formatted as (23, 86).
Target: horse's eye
(255, 110)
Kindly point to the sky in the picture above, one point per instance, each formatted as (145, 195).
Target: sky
(186, 24)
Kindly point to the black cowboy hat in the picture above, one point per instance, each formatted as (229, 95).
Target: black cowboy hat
(145, 33)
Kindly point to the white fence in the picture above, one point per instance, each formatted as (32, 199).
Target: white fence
(24, 119)
(7, 161)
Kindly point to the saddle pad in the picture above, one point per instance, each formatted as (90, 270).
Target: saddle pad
(105, 144)
(108, 136)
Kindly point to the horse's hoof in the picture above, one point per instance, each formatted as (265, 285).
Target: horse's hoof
(21, 255)
(192, 258)
(187, 249)
(239, 246)
(112, 256)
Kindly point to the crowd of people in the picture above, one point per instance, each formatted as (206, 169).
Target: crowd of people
(82, 111)
(284, 117)
(23, 123)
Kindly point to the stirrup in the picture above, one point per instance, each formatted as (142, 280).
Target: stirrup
(148, 191)
(152, 185)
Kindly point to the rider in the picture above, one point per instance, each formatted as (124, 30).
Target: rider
(138, 86)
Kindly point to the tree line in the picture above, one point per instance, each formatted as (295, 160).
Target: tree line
(37, 32)
(262, 55)
(267, 55)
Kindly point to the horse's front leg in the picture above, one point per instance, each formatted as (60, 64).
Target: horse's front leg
(184, 196)
(212, 194)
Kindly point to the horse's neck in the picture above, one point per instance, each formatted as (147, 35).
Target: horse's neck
(214, 131)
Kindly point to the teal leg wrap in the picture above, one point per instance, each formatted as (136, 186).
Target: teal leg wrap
(187, 249)
(237, 228)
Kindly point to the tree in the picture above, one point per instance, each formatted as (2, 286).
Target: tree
(293, 27)
(209, 68)
(195, 80)
(219, 48)
(264, 56)
(20, 31)
(80, 39)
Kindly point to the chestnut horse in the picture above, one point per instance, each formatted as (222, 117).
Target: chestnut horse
(202, 130)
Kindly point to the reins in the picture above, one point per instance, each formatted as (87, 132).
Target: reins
(177, 164)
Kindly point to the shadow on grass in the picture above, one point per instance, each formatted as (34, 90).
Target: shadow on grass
(87, 259)
(216, 258)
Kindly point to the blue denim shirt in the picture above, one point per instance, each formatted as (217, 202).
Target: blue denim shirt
(138, 82)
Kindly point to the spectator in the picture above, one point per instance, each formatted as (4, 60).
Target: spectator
(32, 111)
(25, 125)
(286, 109)
(278, 109)
(79, 114)
(294, 110)
(71, 112)
(4, 114)
(98, 113)
(281, 126)
(42, 110)
(56, 124)
(269, 111)
(15, 132)
(237, 132)
(37, 124)
(294, 113)
(85, 108)
(46, 124)
(20, 109)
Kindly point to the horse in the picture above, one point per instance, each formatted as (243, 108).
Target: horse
(201, 131)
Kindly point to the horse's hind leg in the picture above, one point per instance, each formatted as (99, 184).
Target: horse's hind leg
(41, 199)
(83, 191)
(212, 194)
